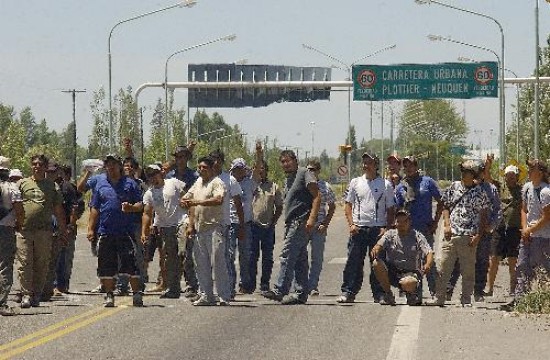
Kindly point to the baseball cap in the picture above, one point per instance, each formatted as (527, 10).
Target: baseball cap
(4, 163)
(152, 169)
(112, 157)
(369, 155)
(511, 169)
(402, 212)
(470, 165)
(411, 159)
(15, 173)
(182, 150)
(238, 163)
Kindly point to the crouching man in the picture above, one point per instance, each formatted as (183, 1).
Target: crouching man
(400, 258)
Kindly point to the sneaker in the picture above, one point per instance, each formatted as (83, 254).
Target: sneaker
(190, 293)
(509, 307)
(488, 293)
(170, 295)
(346, 298)
(194, 298)
(57, 292)
(293, 300)
(122, 292)
(479, 298)
(97, 290)
(5, 310)
(25, 302)
(466, 301)
(314, 292)
(437, 302)
(224, 302)
(137, 299)
(203, 301)
(388, 299)
(109, 300)
(273, 295)
(413, 300)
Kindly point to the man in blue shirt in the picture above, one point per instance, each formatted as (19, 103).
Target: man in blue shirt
(115, 197)
(415, 194)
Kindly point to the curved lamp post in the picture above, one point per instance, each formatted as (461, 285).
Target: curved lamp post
(186, 3)
(223, 38)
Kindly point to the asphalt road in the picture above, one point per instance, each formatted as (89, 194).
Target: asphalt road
(78, 327)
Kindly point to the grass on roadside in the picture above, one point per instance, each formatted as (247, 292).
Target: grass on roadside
(537, 301)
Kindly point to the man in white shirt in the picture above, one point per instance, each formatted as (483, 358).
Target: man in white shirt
(163, 199)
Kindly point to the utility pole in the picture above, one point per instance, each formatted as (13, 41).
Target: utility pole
(73, 92)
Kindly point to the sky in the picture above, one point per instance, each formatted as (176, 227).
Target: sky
(50, 46)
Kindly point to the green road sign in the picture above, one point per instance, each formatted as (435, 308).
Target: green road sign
(425, 81)
(458, 150)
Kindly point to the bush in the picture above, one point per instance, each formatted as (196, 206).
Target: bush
(537, 301)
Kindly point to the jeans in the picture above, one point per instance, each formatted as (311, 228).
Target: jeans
(293, 259)
(169, 239)
(359, 245)
(64, 266)
(482, 266)
(207, 243)
(532, 254)
(263, 238)
(243, 245)
(431, 276)
(7, 257)
(317, 246)
(188, 265)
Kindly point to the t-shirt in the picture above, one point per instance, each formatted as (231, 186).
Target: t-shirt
(232, 188)
(511, 206)
(39, 199)
(535, 199)
(247, 186)
(297, 198)
(418, 200)
(10, 195)
(165, 201)
(466, 205)
(495, 213)
(70, 198)
(370, 200)
(266, 198)
(108, 198)
(207, 217)
(405, 252)
(327, 197)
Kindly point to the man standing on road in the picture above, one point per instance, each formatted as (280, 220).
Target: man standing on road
(369, 209)
(302, 201)
(318, 236)
(464, 220)
(267, 207)
(407, 257)
(163, 198)
(534, 249)
(206, 226)
(116, 197)
(42, 199)
(11, 220)
(415, 194)
(507, 235)
(182, 172)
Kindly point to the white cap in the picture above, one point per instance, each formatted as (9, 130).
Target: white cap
(16, 173)
(512, 169)
(4, 163)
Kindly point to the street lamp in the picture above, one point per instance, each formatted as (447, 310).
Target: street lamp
(348, 68)
(502, 99)
(185, 3)
(167, 125)
(465, 59)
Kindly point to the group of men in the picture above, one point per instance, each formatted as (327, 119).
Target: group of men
(200, 220)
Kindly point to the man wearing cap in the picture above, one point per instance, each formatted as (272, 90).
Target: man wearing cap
(318, 236)
(415, 193)
(162, 201)
(400, 258)
(248, 182)
(115, 197)
(188, 176)
(507, 235)
(369, 209)
(15, 175)
(302, 201)
(466, 206)
(232, 197)
(42, 199)
(11, 220)
(394, 166)
(534, 248)
(206, 226)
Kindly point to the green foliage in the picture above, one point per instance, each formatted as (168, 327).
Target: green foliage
(537, 301)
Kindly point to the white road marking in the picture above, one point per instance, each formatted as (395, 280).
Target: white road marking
(405, 337)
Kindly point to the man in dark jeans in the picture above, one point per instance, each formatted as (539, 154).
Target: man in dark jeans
(369, 208)
(302, 201)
